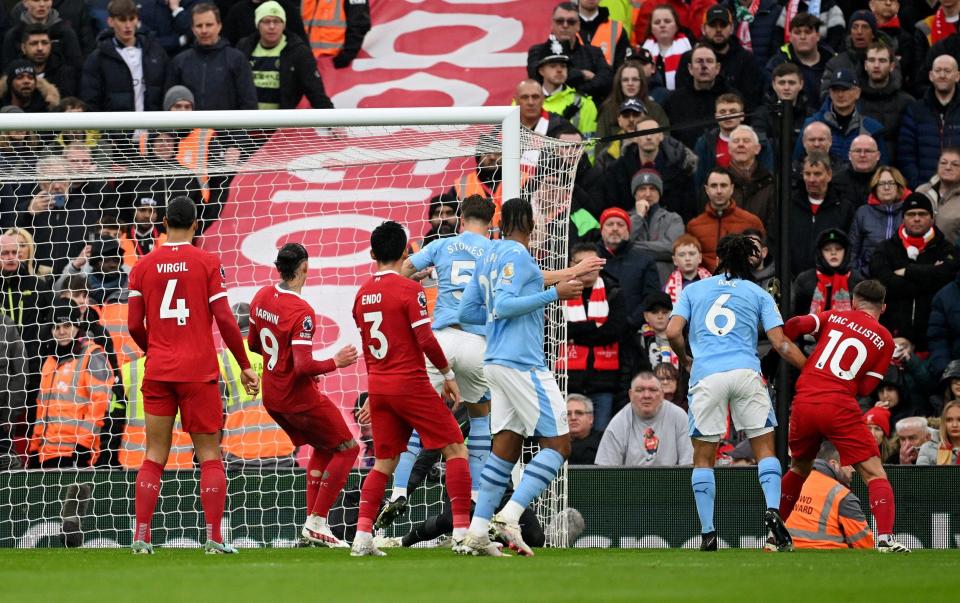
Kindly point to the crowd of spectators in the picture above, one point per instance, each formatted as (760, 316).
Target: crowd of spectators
(874, 189)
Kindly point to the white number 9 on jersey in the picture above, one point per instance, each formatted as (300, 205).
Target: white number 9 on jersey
(718, 311)
(268, 341)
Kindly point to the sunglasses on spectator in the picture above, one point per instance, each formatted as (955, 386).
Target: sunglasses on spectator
(567, 22)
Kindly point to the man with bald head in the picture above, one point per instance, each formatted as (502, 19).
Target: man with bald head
(930, 124)
(854, 179)
(529, 97)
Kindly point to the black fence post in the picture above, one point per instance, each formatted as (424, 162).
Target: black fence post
(784, 387)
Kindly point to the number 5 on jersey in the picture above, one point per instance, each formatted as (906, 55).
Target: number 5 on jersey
(378, 351)
(167, 310)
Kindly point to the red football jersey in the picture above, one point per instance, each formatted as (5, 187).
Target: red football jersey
(851, 345)
(178, 282)
(279, 320)
(387, 309)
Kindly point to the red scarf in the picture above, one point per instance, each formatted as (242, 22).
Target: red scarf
(940, 28)
(832, 293)
(893, 23)
(743, 29)
(914, 245)
(675, 282)
(574, 357)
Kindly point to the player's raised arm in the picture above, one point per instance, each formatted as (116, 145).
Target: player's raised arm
(508, 301)
(473, 308)
(773, 325)
(587, 265)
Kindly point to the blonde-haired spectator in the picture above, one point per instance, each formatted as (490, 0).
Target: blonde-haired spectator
(947, 452)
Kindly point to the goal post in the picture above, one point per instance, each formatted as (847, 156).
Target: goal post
(322, 177)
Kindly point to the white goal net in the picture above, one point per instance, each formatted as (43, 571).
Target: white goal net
(78, 206)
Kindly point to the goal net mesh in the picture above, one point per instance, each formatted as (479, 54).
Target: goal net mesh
(76, 204)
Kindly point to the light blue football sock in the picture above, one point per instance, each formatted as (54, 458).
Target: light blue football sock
(537, 475)
(401, 477)
(478, 448)
(705, 492)
(493, 483)
(770, 474)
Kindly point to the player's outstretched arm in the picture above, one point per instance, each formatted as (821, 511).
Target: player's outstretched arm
(801, 325)
(677, 342)
(305, 365)
(472, 308)
(136, 315)
(552, 277)
(786, 348)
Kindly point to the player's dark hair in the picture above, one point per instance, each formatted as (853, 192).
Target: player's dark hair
(388, 242)
(871, 291)
(181, 212)
(289, 259)
(735, 252)
(477, 207)
(516, 214)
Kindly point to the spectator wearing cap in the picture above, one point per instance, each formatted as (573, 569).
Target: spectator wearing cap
(600, 30)
(241, 20)
(881, 96)
(815, 206)
(632, 269)
(74, 395)
(944, 192)
(560, 98)
(20, 88)
(593, 354)
(651, 338)
(691, 101)
(584, 438)
(930, 124)
(720, 217)
(284, 69)
(127, 70)
(648, 432)
(946, 452)
(754, 23)
(653, 228)
(806, 51)
(588, 71)
(829, 284)
(629, 83)
(631, 112)
(738, 66)
(219, 76)
(830, 23)
(914, 264)
(674, 162)
(943, 328)
(63, 30)
(841, 114)
(948, 390)
(878, 219)
(36, 47)
(877, 419)
(862, 33)
(101, 261)
(144, 234)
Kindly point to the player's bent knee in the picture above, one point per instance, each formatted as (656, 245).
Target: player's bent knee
(346, 445)
(478, 409)
(756, 433)
(454, 451)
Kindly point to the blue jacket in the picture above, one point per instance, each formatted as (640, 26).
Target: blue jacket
(922, 135)
(943, 330)
(859, 124)
(872, 224)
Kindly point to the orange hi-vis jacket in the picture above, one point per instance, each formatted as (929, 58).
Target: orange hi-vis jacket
(326, 25)
(827, 515)
(133, 446)
(606, 37)
(113, 317)
(72, 404)
(193, 153)
(249, 432)
(470, 184)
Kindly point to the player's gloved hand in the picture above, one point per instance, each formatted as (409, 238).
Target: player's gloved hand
(569, 289)
(345, 357)
(250, 381)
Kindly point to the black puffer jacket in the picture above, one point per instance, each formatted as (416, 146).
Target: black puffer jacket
(219, 77)
(107, 84)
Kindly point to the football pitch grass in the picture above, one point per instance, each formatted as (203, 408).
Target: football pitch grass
(423, 576)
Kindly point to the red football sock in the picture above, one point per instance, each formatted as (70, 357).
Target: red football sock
(334, 477)
(882, 505)
(790, 487)
(147, 493)
(370, 496)
(458, 489)
(315, 468)
(213, 496)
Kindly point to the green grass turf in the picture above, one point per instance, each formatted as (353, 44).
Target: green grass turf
(423, 576)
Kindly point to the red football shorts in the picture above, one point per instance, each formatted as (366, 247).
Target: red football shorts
(201, 410)
(321, 425)
(395, 417)
(843, 426)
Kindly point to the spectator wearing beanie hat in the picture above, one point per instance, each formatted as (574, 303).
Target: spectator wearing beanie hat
(21, 88)
(634, 270)
(241, 20)
(178, 98)
(862, 31)
(653, 228)
(284, 69)
(914, 264)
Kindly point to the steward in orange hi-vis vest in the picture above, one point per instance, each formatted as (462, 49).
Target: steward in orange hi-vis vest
(827, 515)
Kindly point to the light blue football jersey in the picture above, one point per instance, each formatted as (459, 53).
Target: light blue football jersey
(454, 259)
(724, 316)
